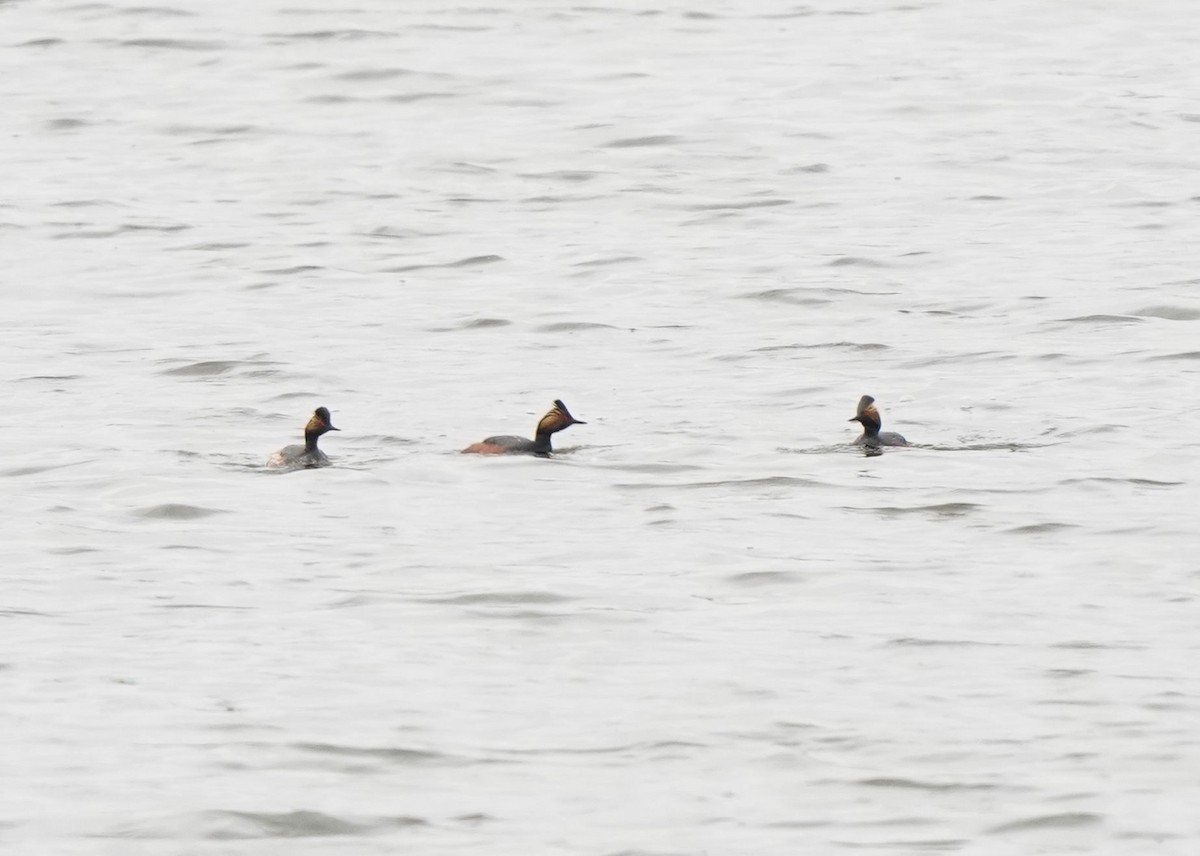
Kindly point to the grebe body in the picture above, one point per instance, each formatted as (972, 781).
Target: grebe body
(872, 437)
(556, 420)
(307, 455)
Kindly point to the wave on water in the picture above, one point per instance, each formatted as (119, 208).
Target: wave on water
(867, 347)
(1101, 319)
(470, 261)
(552, 200)
(403, 756)
(609, 260)
(1000, 446)
(944, 509)
(836, 448)
(652, 467)
(643, 142)
(574, 327)
(215, 368)
(856, 261)
(949, 643)
(172, 44)
(1183, 355)
(737, 206)
(755, 579)
(226, 825)
(37, 469)
(475, 324)
(1040, 528)
(574, 176)
(504, 598)
(793, 296)
(177, 511)
(1064, 820)
(763, 482)
(372, 74)
(958, 359)
(936, 787)
(1169, 313)
(66, 124)
(123, 229)
(1137, 482)
(348, 35)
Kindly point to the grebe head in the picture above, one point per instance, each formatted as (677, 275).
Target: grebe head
(320, 423)
(867, 414)
(557, 419)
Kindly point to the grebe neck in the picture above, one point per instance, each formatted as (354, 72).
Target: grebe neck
(541, 442)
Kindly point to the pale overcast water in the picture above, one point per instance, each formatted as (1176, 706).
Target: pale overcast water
(708, 625)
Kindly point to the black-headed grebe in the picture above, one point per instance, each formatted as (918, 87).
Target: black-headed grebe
(307, 455)
(872, 437)
(556, 420)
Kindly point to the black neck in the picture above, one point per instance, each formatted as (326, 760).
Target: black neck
(542, 441)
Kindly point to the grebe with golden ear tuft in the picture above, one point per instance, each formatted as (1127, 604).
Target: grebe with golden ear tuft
(556, 420)
(307, 455)
(872, 437)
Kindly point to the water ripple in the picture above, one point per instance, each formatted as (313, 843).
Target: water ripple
(913, 784)
(753, 579)
(215, 368)
(573, 326)
(484, 323)
(222, 825)
(574, 176)
(177, 511)
(1065, 820)
(37, 469)
(348, 35)
(766, 481)
(794, 296)
(738, 206)
(172, 44)
(1040, 528)
(391, 754)
(856, 261)
(470, 261)
(1184, 355)
(948, 643)
(370, 74)
(643, 142)
(501, 598)
(1139, 482)
(1169, 313)
(1102, 319)
(944, 509)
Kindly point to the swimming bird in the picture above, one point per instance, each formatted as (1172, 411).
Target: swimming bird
(556, 420)
(872, 437)
(307, 455)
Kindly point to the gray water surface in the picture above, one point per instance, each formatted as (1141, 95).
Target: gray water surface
(709, 625)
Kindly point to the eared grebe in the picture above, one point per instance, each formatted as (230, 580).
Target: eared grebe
(307, 455)
(872, 437)
(556, 420)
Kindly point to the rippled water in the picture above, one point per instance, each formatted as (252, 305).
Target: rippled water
(710, 625)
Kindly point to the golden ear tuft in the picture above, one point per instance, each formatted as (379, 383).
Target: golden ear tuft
(557, 418)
